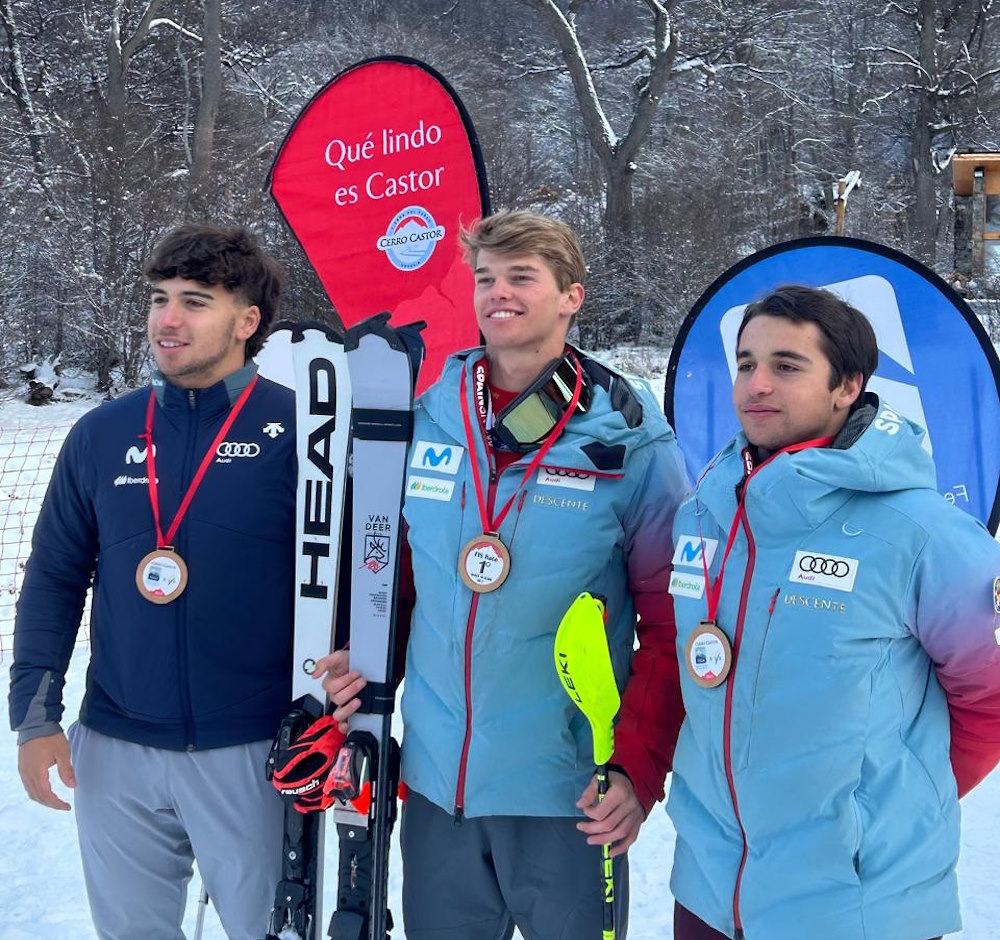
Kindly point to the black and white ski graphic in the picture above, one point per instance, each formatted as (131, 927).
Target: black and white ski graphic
(310, 358)
(383, 363)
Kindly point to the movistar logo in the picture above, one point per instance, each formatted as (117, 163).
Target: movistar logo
(694, 552)
(433, 458)
(690, 552)
(137, 454)
(444, 458)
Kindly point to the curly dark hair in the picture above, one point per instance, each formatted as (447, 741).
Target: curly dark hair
(227, 257)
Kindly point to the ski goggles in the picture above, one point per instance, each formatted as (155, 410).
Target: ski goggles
(525, 423)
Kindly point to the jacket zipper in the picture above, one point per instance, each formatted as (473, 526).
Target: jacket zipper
(470, 624)
(182, 625)
(491, 495)
(727, 720)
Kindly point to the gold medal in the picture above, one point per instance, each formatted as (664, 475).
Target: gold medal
(484, 563)
(708, 655)
(161, 576)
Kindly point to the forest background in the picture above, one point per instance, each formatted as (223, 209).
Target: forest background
(676, 136)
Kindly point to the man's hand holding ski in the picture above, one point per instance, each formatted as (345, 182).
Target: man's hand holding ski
(341, 684)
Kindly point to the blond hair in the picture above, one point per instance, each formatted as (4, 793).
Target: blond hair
(519, 232)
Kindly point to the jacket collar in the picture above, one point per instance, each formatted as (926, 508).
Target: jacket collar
(215, 398)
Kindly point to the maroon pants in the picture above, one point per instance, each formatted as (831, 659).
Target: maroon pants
(689, 927)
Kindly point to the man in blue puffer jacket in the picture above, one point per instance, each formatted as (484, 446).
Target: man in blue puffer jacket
(192, 606)
(535, 473)
(837, 632)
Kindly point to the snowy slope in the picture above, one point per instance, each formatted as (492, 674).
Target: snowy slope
(42, 895)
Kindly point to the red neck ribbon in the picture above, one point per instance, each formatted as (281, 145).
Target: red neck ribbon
(492, 526)
(167, 541)
(714, 591)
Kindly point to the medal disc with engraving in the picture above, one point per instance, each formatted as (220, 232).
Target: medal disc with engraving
(161, 576)
(484, 563)
(708, 656)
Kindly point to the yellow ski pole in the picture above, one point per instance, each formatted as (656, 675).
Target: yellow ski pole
(583, 663)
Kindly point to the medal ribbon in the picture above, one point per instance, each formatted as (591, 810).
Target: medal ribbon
(165, 541)
(480, 373)
(714, 591)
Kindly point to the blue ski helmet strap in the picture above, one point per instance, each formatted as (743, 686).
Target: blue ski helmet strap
(936, 363)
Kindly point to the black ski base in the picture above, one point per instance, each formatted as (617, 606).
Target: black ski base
(356, 918)
(295, 895)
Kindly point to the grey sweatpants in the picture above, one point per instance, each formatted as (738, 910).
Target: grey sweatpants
(144, 814)
(478, 879)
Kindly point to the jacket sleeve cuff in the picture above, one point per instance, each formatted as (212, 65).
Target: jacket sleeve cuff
(24, 735)
(636, 765)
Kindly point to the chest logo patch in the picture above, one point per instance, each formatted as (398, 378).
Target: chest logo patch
(822, 570)
(694, 552)
(560, 476)
(430, 488)
(444, 458)
(685, 584)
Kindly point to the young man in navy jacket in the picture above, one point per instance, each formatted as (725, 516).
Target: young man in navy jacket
(176, 503)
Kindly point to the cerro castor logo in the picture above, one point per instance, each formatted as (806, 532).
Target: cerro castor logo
(410, 238)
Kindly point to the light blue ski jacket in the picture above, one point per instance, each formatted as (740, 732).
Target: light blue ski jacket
(488, 729)
(812, 794)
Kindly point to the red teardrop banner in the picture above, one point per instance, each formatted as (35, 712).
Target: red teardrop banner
(375, 178)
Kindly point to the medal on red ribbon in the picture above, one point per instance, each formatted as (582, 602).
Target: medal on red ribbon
(709, 654)
(162, 575)
(484, 561)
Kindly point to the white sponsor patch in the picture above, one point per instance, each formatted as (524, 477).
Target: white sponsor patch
(559, 476)
(684, 584)
(831, 571)
(445, 458)
(430, 488)
(690, 548)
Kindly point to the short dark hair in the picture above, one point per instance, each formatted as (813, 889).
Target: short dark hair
(227, 257)
(848, 340)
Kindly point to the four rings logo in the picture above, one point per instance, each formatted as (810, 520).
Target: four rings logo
(564, 476)
(817, 564)
(229, 449)
(830, 571)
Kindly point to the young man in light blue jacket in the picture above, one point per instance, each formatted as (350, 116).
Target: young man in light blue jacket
(536, 473)
(840, 667)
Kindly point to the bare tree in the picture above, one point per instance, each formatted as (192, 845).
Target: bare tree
(937, 67)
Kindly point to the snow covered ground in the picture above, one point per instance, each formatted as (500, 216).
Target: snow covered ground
(42, 895)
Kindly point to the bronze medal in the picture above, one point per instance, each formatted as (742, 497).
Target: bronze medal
(708, 655)
(161, 576)
(484, 563)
